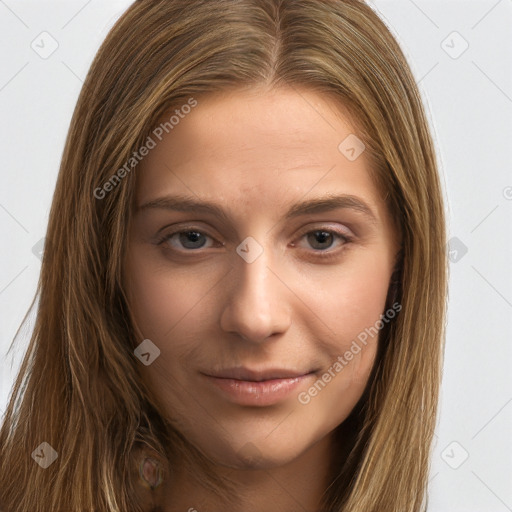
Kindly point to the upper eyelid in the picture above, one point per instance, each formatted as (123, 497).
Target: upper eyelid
(320, 226)
(325, 227)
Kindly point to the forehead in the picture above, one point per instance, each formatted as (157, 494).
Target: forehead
(262, 146)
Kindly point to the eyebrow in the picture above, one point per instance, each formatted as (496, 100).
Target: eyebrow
(322, 204)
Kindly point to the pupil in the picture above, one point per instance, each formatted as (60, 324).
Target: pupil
(190, 237)
(322, 236)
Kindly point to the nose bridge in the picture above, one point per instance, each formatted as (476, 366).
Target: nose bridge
(255, 307)
(255, 275)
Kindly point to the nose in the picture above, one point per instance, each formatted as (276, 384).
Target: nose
(256, 304)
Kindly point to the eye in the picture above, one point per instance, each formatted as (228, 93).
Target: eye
(322, 239)
(189, 238)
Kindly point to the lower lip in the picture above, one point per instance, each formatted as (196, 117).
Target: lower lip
(262, 393)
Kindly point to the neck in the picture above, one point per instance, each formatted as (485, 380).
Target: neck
(298, 485)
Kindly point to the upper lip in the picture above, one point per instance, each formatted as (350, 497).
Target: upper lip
(256, 375)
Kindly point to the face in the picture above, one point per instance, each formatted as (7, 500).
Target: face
(258, 302)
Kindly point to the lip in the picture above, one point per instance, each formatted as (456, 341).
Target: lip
(257, 388)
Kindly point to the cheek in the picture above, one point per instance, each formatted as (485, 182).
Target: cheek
(352, 308)
(351, 305)
(353, 298)
(164, 310)
(160, 305)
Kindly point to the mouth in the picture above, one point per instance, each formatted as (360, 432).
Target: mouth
(245, 374)
(257, 387)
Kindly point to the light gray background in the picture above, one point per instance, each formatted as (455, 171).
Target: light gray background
(469, 100)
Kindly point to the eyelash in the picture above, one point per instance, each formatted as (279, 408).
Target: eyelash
(318, 253)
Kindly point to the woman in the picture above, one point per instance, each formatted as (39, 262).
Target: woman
(196, 345)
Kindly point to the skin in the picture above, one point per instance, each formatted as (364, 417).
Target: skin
(254, 153)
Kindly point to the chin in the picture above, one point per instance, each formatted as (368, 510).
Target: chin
(259, 452)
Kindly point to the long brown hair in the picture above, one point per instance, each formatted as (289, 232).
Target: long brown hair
(79, 387)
